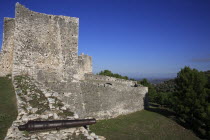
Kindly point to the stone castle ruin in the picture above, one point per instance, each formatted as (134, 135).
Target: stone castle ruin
(41, 52)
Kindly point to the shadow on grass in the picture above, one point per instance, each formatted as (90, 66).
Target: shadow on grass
(171, 115)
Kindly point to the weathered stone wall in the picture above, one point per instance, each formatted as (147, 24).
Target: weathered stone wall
(85, 65)
(108, 100)
(6, 55)
(45, 46)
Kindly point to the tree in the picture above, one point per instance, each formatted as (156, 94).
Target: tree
(166, 86)
(152, 94)
(190, 98)
(163, 98)
(144, 82)
(164, 92)
(116, 75)
(106, 73)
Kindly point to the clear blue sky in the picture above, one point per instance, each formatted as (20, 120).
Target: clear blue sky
(138, 38)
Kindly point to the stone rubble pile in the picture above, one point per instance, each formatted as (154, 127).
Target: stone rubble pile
(44, 104)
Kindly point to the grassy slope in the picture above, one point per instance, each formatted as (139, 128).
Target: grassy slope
(8, 107)
(142, 125)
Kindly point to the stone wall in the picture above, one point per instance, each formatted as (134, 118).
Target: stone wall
(107, 100)
(85, 65)
(46, 46)
(6, 54)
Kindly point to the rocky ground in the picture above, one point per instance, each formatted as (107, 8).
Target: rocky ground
(35, 102)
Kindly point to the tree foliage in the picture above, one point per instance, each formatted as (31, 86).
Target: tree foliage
(152, 94)
(165, 91)
(190, 100)
(116, 75)
(166, 86)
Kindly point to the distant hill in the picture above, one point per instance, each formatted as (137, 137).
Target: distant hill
(158, 81)
(161, 80)
(154, 80)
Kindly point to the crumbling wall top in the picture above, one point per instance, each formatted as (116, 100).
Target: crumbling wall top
(21, 8)
(109, 79)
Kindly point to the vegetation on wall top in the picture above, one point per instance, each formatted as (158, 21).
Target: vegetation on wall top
(116, 75)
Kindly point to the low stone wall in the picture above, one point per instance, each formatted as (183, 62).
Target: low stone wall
(108, 97)
(104, 100)
(109, 79)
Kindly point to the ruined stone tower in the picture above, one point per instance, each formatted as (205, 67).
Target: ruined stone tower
(45, 48)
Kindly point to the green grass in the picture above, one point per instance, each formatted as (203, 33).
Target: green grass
(8, 107)
(142, 125)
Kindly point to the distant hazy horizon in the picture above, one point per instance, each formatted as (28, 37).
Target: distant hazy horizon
(136, 38)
